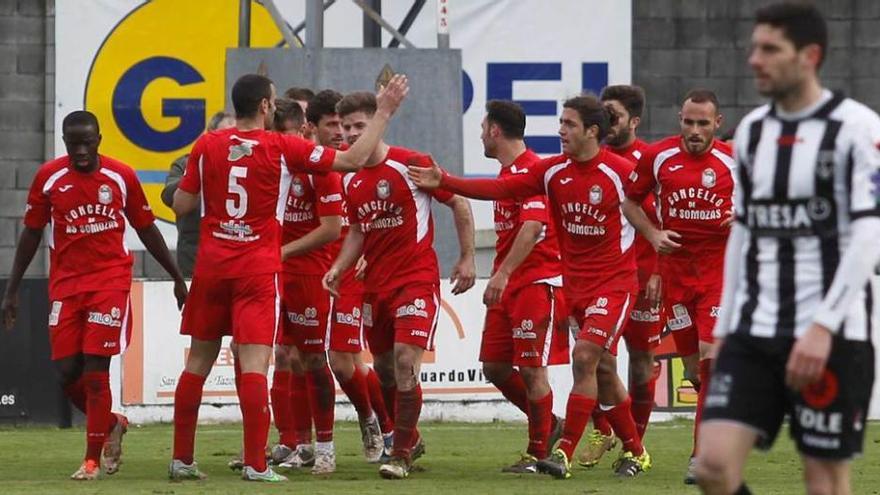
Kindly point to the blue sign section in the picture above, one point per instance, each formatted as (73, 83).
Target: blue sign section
(152, 176)
(127, 105)
(594, 76)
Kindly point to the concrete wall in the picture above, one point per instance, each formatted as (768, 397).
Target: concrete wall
(677, 45)
(27, 34)
(682, 44)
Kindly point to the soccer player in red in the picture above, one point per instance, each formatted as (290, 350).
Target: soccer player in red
(692, 174)
(86, 198)
(526, 327)
(312, 220)
(584, 186)
(243, 176)
(391, 226)
(642, 330)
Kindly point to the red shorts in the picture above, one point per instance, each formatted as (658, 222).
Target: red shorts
(691, 312)
(306, 311)
(97, 323)
(406, 315)
(529, 327)
(346, 324)
(642, 331)
(247, 308)
(601, 317)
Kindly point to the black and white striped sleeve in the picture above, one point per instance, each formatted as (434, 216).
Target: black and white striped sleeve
(864, 167)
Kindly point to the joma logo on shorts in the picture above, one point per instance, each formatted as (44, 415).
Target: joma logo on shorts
(419, 333)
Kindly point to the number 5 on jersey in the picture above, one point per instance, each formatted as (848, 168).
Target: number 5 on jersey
(237, 211)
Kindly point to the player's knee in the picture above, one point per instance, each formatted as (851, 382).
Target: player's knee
(282, 359)
(496, 372)
(314, 360)
(641, 368)
(714, 475)
(342, 366)
(585, 357)
(821, 480)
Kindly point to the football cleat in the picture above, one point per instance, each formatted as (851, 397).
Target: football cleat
(527, 464)
(557, 465)
(690, 477)
(178, 471)
(597, 445)
(629, 465)
(88, 471)
(325, 461)
(395, 469)
(111, 453)
(279, 453)
(302, 456)
(371, 435)
(267, 476)
(237, 462)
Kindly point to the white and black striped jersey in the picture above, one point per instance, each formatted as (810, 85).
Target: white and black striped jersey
(804, 181)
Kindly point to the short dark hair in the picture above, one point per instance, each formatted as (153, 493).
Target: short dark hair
(802, 24)
(592, 112)
(287, 109)
(631, 97)
(299, 94)
(247, 93)
(218, 117)
(508, 116)
(80, 117)
(702, 95)
(359, 101)
(323, 104)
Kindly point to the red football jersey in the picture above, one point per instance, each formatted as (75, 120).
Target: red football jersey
(244, 178)
(646, 256)
(85, 212)
(395, 216)
(349, 284)
(694, 192)
(595, 239)
(543, 261)
(311, 197)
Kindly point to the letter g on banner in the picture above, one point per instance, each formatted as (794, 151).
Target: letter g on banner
(127, 105)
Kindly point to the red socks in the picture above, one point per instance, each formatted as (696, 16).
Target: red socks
(389, 394)
(600, 422)
(642, 404)
(187, 398)
(358, 393)
(99, 419)
(300, 410)
(622, 422)
(377, 401)
(540, 419)
(409, 408)
(280, 393)
(253, 397)
(76, 393)
(322, 395)
(514, 390)
(577, 413)
(705, 375)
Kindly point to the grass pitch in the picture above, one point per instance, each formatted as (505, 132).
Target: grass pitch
(461, 458)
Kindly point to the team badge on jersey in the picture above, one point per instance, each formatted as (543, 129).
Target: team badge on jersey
(595, 194)
(709, 178)
(105, 194)
(825, 164)
(298, 189)
(316, 155)
(383, 189)
(245, 147)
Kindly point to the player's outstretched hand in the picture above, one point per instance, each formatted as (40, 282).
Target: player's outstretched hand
(664, 241)
(180, 293)
(424, 172)
(360, 269)
(808, 357)
(331, 281)
(9, 308)
(654, 290)
(495, 288)
(729, 217)
(464, 274)
(392, 94)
